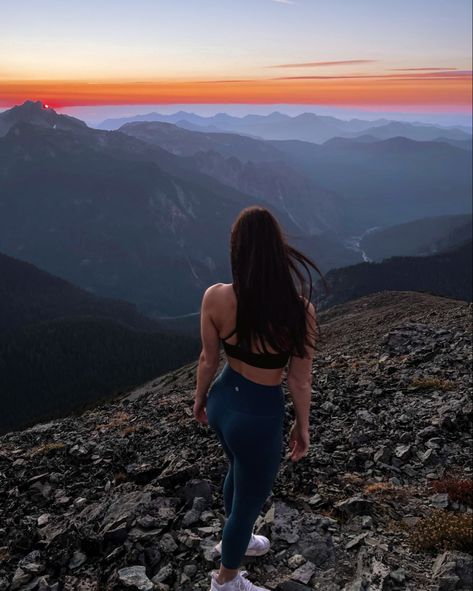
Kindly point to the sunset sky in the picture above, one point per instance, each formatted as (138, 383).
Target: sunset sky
(376, 54)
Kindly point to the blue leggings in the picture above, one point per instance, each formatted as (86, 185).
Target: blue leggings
(248, 419)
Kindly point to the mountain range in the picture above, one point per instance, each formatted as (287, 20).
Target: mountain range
(447, 273)
(308, 127)
(63, 348)
(254, 167)
(144, 213)
(417, 238)
(109, 238)
(387, 182)
(351, 184)
(115, 215)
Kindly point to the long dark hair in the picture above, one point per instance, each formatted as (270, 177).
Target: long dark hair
(265, 269)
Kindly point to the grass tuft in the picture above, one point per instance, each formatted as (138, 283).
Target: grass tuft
(459, 490)
(432, 383)
(443, 530)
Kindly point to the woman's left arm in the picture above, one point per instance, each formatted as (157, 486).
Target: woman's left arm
(210, 354)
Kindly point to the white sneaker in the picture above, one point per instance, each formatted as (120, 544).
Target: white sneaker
(238, 583)
(258, 546)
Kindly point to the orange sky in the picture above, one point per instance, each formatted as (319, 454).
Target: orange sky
(365, 53)
(427, 89)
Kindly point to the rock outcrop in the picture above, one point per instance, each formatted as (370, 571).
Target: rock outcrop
(129, 494)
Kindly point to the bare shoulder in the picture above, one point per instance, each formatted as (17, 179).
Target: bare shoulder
(218, 292)
(218, 288)
(212, 288)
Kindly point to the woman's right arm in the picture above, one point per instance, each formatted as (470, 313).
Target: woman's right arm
(299, 381)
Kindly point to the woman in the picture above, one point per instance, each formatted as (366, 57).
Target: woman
(262, 322)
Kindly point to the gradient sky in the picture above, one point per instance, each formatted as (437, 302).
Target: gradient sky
(377, 54)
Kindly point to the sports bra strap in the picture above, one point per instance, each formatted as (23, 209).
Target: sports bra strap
(229, 335)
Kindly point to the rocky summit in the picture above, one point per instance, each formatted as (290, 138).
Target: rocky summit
(129, 495)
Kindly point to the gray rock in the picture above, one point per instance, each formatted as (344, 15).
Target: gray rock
(318, 548)
(283, 523)
(398, 576)
(292, 586)
(198, 488)
(193, 515)
(448, 583)
(403, 452)
(295, 561)
(77, 560)
(439, 501)
(135, 577)
(142, 473)
(304, 573)
(32, 584)
(383, 455)
(20, 578)
(190, 570)
(43, 519)
(455, 564)
(32, 563)
(357, 585)
(315, 500)
(429, 458)
(167, 543)
(108, 501)
(163, 573)
(356, 540)
(152, 556)
(177, 472)
(354, 506)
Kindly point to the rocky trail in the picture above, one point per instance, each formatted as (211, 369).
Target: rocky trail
(128, 495)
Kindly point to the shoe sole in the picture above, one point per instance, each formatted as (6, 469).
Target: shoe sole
(249, 553)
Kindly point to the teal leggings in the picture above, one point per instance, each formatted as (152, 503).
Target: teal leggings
(248, 419)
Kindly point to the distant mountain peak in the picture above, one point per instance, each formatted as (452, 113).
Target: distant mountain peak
(306, 115)
(30, 107)
(30, 104)
(277, 115)
(37, 113)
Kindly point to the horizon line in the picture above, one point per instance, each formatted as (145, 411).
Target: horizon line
(357, 90)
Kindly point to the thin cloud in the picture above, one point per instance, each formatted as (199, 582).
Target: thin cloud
(457, 75)
(224, 81)
(284, 1)
(420, 69)
(323, 64)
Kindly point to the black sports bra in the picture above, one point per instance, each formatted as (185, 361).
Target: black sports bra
(263, 360)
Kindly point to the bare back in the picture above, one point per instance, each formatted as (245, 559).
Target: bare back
(226, 322)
